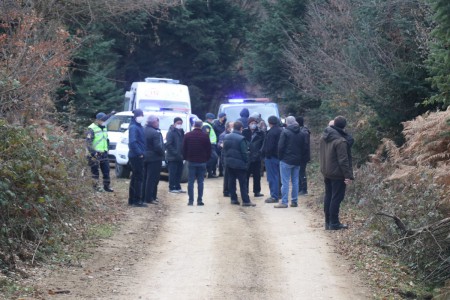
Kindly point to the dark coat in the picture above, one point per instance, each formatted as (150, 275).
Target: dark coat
(174, 144)
(136, 139)
(196, 146)
(154, 144)
(292, 146)
(270, 146)
(256, 141)
(335, 154)
(307, 133)
(218, 127)
(235, 148)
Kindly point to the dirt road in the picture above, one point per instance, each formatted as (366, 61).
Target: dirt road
(218, 251)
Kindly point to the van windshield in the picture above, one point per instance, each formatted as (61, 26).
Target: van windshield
(233, 111)
(114, 122)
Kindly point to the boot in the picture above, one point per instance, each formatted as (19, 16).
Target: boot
(107, 188)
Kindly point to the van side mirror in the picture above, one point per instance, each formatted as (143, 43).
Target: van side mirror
(124, 127)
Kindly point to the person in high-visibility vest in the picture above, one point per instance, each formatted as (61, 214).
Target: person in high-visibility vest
(207, 128)
(97, 145)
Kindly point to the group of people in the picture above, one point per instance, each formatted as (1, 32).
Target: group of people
(238, 150)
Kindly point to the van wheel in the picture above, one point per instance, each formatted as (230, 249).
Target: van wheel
(122, 171)
(185, 174)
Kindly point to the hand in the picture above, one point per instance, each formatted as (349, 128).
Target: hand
(348, 181)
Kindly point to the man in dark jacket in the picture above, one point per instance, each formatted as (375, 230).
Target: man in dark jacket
(255, 138)
(174, 155)
(271, 161)
(153, 157)
(336, 168)
(136, 144)
(197, 152)
(228, 129)
(245, 113)
(291, 152)
(235, 148)
(219, 128)
(303, 183)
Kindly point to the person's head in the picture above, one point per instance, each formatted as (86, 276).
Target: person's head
(198, 124)
(331, 123)
(255, 115)
(252, 123)
(222, 117)
(291, 121)
(237, 126)
(340, 122)
(178, 123)
(153, 121)
(209, 117)
(138, 115)
(300, 121)
(100, 118)
(245, 113)
(273, 120)
(229, 126)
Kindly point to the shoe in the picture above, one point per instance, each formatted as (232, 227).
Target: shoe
(226, 194)
(259, 195)
(338, 226)
(280, 205)
(303, 193)
(212, 176)
(181, 191)
(248, 204)
(271, 200)
(200, 203)
(190, 203)
(236, 202)
(140, 204)
(108, 189)
(153, 202)
(174, 191)
(294, 204)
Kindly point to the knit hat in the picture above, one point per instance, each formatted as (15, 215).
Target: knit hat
(222, 115)
(138, 113)
(209, 116)
(100, 116)
(273, 120)
(252, 119)
(340, 122)
(177, 119)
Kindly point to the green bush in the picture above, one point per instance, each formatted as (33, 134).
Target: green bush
(43, 190)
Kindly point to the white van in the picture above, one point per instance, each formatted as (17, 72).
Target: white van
(122, 167)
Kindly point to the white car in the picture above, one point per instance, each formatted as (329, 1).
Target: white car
(116, 126)
(122, 167)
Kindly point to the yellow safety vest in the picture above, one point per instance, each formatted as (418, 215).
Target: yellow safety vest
(100, 140)
(212, 133)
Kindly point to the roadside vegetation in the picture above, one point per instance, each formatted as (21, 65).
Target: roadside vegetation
(382, 64)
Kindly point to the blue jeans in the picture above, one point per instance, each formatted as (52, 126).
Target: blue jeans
(273, 176)
(289, 173)
(196, 172)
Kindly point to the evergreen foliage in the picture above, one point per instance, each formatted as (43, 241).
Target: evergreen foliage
(439, 59)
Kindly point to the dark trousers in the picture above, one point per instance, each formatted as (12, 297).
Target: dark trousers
(254, 169)
(334, 194)
(100, 162)
(303, 184)
(241, 176)
(137, 178)
(196, 172)
(212, 162)
(220, 158)
(175, 171)
(225, 181)
(152, 170)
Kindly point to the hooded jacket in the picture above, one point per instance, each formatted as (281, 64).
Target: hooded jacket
(292, 146)
(174, 144)
(245, 113)
(136, 139)
(335, 154)
(270, 146)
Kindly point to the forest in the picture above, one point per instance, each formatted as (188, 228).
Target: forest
(383, 64)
